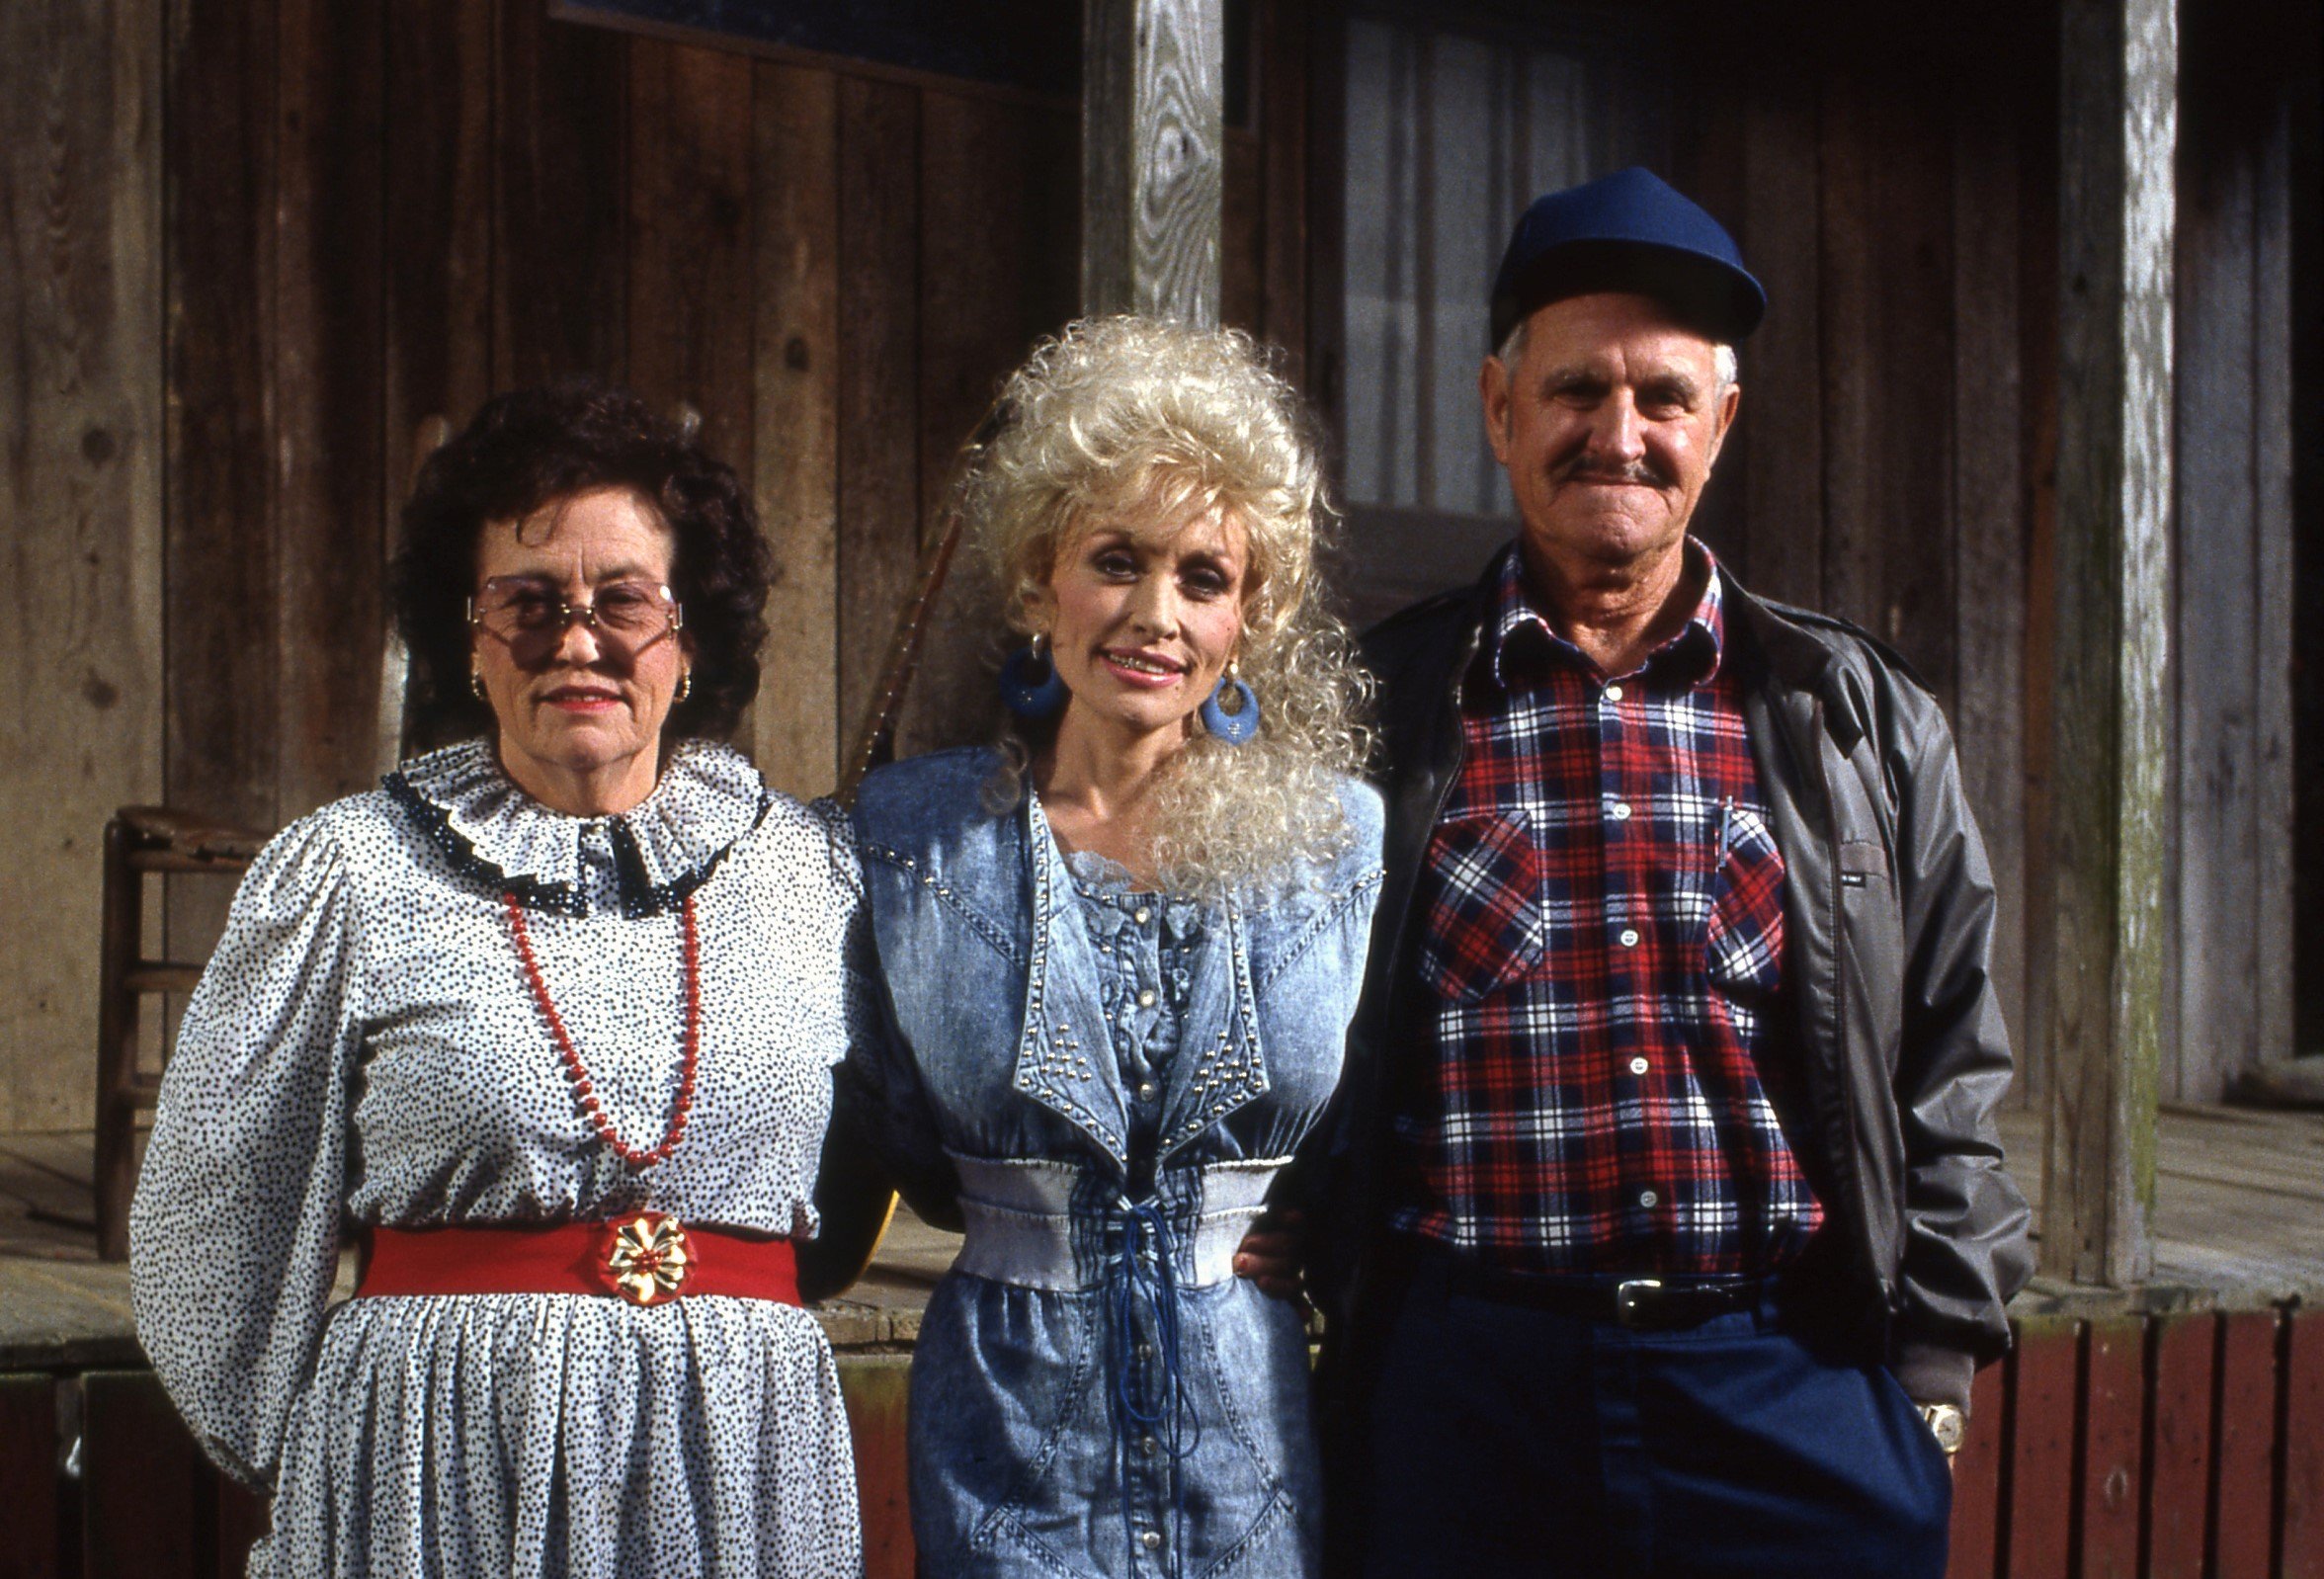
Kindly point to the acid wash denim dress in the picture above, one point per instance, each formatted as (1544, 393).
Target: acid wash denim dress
(1098, 1087)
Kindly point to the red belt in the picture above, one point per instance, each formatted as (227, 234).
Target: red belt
(647, 1259)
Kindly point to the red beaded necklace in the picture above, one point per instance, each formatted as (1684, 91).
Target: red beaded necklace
(571, 1055)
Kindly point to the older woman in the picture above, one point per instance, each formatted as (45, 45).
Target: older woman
(545, 1024)
(1118, 956)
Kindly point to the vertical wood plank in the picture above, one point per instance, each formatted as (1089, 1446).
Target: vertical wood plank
(81, 432)
(2042, 1380)
(2275, 399)
(1152, 75)
(242, 1518)
(1327, 202)
(27, 1476)
(560, 304)
(1783, 423)
(794, 723)
(220, 588)
(1888, 306)
(2116, 193)
(1977, 1482)
(2114, 1391)
(691, 274)
(2038, 361)
(326, 375)
(439, 268)
(1988, 491)
(2304, 1448)
(1282, 82)
(1849, 273)
(974, 243)
(2243, 1470)
(143, 1481)
(2179, 1475)
(879, 377)
(1710, 164)
(2214, 648)
(1242, 238)
(877, 1389)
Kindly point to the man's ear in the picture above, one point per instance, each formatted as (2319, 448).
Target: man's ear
(1730, 400)
(1493, 398)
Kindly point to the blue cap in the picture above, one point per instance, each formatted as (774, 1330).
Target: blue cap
(1629, 231)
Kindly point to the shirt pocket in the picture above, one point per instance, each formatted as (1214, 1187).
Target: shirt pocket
(1484, 927)
(1743, 947)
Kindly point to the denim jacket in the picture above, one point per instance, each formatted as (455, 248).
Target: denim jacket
(1094, 1392)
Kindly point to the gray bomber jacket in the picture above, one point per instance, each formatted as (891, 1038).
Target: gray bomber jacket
(1888, 919)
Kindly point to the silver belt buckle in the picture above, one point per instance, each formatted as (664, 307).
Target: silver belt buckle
(1627, 1295)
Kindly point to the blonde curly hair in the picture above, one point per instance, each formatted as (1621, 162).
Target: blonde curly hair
(1122, 416)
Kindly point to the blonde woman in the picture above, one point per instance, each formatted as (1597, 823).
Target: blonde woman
(1115, 959)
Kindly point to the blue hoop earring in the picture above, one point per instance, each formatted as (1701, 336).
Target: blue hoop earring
(1238, 726)
(1030, 687)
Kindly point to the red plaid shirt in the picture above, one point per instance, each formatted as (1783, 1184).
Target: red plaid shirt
(1602, 933)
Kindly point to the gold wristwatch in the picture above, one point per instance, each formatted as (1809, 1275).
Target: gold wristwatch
(1946, 1424)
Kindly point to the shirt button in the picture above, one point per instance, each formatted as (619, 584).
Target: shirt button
(1147, 999)
(1150, 1446)
(1614, 692)
(1637, 1066)
(1647, 1198)
(1622, 811)
(1629, 937)
(1151, 1539)
(1140, 914)
(1146, 1089)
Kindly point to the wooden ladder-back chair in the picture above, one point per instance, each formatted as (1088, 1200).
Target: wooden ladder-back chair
(137, 841)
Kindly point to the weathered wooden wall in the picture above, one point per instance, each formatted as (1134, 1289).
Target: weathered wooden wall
(253, 246)
(1896, 461)
(80, 506)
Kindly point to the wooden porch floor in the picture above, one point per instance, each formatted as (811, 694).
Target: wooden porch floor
(2239, 1223)
(2239, 1200)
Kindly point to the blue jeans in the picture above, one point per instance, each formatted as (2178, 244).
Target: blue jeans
(1508, 1440)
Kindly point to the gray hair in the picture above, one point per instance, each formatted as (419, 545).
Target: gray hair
(1725, 367)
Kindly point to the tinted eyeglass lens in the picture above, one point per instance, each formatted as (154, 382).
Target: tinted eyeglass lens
(531, 620)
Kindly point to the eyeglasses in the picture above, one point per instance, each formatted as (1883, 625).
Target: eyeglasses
(625, 617)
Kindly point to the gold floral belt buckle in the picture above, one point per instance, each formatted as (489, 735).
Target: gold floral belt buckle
(647, 1258)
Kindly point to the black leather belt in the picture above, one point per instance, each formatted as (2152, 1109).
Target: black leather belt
(1642, 1304)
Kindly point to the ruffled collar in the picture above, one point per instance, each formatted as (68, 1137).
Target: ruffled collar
(664, 847)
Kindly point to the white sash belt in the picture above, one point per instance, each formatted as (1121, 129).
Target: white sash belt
(1021, 1228)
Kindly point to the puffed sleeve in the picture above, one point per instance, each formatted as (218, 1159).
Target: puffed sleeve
(234, 1233)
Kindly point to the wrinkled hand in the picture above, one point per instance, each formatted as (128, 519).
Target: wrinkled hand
(1270, 1255)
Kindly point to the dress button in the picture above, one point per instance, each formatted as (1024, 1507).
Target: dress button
(1146, 998)
(1647, 1198)
(1614, 692)
(1629, 937)
(1141, 915)
(1637, 1066)
(1622, 811)
(1146, 1091)
(1150, 1446)
(1151, 1539)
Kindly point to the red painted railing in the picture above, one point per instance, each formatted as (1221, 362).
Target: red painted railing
(2188, 1445)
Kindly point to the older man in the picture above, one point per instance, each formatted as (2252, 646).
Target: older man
(1665, 1219)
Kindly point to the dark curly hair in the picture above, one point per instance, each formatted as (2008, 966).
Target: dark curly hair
(529, 447)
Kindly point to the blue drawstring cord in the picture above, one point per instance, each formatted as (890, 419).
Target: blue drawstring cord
(1140, 1273)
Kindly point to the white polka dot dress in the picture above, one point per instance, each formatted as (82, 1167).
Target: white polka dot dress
(365, 1049)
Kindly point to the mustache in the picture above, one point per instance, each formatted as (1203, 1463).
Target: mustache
(1583, 468)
